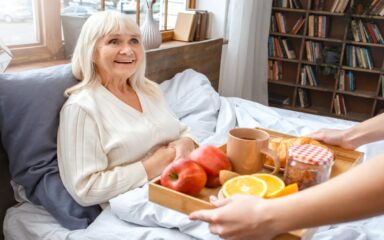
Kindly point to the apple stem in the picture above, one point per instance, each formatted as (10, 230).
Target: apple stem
(174, 176)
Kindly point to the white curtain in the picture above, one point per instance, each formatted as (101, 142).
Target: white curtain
(245, 63)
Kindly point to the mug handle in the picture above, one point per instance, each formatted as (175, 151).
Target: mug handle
(273, 155)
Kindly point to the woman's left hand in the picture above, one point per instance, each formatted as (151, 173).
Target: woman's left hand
(183, 146)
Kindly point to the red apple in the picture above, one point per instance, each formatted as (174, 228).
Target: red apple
(213, 160)
(184, 175)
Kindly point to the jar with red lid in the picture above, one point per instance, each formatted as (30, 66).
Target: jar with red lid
(308, 165)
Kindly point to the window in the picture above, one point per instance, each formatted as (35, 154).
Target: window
(17, 16)
(165, 11)
(34, 32)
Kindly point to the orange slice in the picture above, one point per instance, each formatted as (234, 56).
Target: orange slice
(245, 185)
(275, 184)
(292, 188)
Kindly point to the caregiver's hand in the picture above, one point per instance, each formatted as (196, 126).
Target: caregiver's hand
(238, 217)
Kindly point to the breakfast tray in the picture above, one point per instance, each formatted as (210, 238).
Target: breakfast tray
(344, 160)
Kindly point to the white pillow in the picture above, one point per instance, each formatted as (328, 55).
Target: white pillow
(194, 101)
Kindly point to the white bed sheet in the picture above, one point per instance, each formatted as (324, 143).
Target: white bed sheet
(210, 117)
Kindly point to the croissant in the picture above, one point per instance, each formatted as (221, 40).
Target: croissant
(281, 144)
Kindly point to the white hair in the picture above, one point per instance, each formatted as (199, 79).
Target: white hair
(96, 27)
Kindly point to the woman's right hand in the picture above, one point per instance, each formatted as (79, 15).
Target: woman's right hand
(155, 164)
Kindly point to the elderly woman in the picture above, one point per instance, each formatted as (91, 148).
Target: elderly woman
(116, 131)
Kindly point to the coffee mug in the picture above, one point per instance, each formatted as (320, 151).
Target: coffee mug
(247, 148)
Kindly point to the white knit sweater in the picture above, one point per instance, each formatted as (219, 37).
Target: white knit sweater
(101, 141)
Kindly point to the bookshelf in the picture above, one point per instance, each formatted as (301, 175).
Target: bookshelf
(355, 77)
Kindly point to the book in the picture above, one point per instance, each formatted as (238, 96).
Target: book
(354, 30)
(351, 80)
(201, 24)
(270, 70)
(310, 25)
(336, 104)
(297, 4)
(316, 4)
(321, 5)
(298, 25)
(334, 6)
(288, 49)
(196, 36)
(185, 26)
(343, 109)
(304, 99)
(303, 74)
(341, 80)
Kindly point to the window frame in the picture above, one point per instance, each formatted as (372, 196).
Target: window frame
(49, 44)
(48, 28)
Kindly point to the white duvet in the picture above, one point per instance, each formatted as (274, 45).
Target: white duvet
(210, 116)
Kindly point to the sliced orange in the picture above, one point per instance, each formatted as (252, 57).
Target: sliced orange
(275, 184)
(245, 185)
(291, 188)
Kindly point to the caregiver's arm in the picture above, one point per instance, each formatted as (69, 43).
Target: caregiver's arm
(351, 138)
(356, 194)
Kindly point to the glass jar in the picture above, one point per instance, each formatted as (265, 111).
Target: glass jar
(308, 165)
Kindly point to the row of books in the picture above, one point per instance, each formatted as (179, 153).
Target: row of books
(376, 8)
(287, 3)
(307, 76)
(346, 81)
(275, 70)
(368, 32)
(278, 24)
(304, 98)
(191, 25)
(339, 105)
(339, 6)
(313, 50)
(359, 57)
(280, 47)
(318, 26)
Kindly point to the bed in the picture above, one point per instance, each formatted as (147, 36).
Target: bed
(189, 77)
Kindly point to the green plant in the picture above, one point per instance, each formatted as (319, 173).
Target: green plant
(360, 7)
(330, 58)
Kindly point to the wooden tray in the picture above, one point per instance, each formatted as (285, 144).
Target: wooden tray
(344, 160)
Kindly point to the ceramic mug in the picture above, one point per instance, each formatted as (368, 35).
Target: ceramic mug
(247, 149)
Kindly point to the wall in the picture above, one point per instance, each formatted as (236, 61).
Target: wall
(217, 21)
(217, 24)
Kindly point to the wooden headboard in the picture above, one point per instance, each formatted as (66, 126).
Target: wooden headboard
(162, 64)
(203, 56)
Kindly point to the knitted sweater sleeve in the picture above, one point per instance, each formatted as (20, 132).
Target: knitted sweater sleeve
(84, 166)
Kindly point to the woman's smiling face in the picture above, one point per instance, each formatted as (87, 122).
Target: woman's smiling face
(118, 55)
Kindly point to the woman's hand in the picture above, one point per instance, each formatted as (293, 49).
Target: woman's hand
(333, 137)
(155, 164)
(183, 146)
(238, 217)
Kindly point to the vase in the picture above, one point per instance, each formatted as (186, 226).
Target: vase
(150, 32)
